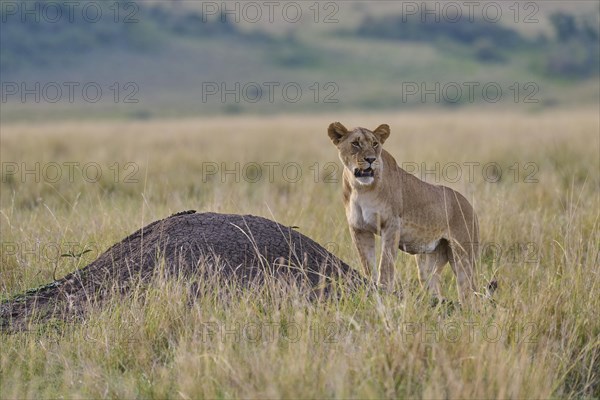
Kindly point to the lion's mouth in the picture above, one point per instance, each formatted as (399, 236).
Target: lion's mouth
(363, 173)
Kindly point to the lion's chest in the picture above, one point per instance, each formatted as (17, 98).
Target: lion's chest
(365, 213)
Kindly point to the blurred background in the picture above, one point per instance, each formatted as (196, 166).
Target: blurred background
(148, 59)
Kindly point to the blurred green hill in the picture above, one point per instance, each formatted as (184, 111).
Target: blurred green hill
(179, 58)
(46, 38)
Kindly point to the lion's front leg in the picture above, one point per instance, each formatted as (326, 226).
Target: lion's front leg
(365, 244)
(390, 239)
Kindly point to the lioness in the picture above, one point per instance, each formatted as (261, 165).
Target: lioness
(435, 223)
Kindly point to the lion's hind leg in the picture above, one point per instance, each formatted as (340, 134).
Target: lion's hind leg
(462, 257)
(431, 266)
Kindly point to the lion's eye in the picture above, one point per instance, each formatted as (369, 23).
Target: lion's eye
(356, 144)
(375, 144)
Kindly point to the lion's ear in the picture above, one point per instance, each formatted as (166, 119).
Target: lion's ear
(382, 132)
(336, 132)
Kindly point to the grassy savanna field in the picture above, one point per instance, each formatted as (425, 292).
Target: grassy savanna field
(538, 208)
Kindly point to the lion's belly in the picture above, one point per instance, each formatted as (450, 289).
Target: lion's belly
(419, 247)
(417, 241)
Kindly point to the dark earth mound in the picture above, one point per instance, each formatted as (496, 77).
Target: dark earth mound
(241, 248)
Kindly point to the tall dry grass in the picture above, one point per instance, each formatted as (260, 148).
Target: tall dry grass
(538, 206)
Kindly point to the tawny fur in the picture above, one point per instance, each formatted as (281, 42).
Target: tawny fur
(434, 222)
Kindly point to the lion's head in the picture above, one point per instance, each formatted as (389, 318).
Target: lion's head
(360, 150)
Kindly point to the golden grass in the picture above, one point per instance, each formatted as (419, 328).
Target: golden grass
(539, 225)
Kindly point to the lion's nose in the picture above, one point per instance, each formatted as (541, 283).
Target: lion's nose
(370, 160)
